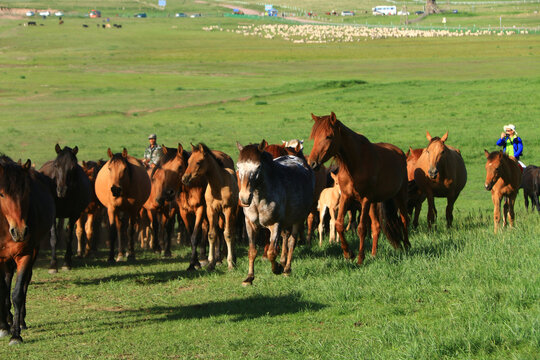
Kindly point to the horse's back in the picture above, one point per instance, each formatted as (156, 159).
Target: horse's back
(224, 158)
(391, 169)
(458, 165)
(298, 184)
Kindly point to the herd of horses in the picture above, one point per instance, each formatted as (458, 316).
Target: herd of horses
(274, 194)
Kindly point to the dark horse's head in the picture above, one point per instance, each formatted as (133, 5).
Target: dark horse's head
(120, 172)
(249, 164)
(326, 139)
(15, 186)
(64, 169)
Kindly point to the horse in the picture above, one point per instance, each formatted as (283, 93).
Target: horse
(27, 213)
(329, 199)
(440, 172)
(85, 223)
(368, 173)
(72, 196)
(531, 186)
(415, 196)
(276, 194)
(503, 178)
(122, 186)
(221, 198)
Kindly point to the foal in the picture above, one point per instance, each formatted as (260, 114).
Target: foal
(329, 199)
(221, 198)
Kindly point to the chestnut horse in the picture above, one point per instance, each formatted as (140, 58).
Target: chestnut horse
(276, 194)
(27, 213)
(122, 186)
(368, 173)
(72, 196)
(221, 198)
(85, 223)
(440, 172)
(416, 196)
(503, 178)
(531, 187)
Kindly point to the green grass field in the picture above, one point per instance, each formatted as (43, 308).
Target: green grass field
(463, 293)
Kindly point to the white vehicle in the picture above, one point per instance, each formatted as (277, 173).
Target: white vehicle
(44, 13)
(403, 13)
(58, 13)
(347, 13)
(384, 10)
(30, 13)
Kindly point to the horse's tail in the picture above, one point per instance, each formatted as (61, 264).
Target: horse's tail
(391, 223)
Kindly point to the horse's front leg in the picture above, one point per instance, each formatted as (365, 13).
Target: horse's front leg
(285, 234)
(252, 253)
(290, 243)
(275, 233)
(5, 304)
(496, 210)
(432, 212)
(375, 228)
(53, 267)
(79, 234)
(69, 250)
(340, 228)
(229, 233)
(113, 234)
(362, 228)
(212, 236)
(130, 233)
(511, 215)
(24, 273)
(89, 230)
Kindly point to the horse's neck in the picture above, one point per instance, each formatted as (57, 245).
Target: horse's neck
(506, 173)
(352, 144)
(216, 175)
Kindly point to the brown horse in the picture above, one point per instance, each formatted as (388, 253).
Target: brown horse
(416, 196)
(531, 187)
(221, 198)
(85, 223)
(440, 172)
(503, 178)
(368, 173)
(27, 213)
(122, 186)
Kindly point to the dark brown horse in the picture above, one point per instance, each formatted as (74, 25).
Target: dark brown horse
(72, 196)
(368, 173)
(531, 187)
(122, 186)
(85, 223)
(503, 178)
(440, 172)
(27, 214)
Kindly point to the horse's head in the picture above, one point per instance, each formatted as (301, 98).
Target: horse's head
(15, 196)
(198, 163)
(91, 169)
(167, 175)
(436, 152)
(120, 172)
(64, 167)
(493, 168)
(326, 139)
(249, 164)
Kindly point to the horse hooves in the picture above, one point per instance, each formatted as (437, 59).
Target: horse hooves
(211, 266)
(348, 256)
(4, 333)
(15, 341)
(53, 271)
(120, 258)
(66, 268)
(277, 269)
(191, 267)
(203, 263)
(166, 254)
(248, 281)
(23, 326)
(110, 261)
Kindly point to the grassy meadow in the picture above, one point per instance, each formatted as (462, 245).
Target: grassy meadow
(460, 293)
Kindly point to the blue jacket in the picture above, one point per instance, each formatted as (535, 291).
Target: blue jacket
(518, 146)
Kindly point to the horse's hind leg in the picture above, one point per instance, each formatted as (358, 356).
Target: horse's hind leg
(79, 234)
(343, 203)
(290, 245)
(450, 211)
(375, 227)
(285, 234)
(362, 229)
(24, 273)
(89, 229)
(321, 224)
(53, 267)
(505, 211)
(511, 215)
(275, 232)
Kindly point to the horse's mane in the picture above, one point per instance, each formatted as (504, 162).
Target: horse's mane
(207, 150)
(13, 180)
(65, 155)
(252, 152)
(493, 155)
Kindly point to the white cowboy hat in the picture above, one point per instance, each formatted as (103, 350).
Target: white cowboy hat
(509, 127)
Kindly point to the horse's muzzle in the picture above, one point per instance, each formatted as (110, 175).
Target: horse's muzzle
(116, 191)
(245, 202)
(488, 187)
(61, 191)
(186, 179)
(433, 173)
(315, 165)
(18, 235)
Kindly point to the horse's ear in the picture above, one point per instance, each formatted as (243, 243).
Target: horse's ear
(201, 148)
(298, 147)
(109, 152)
(180, 150)
(408, 152)
(283, 142)
(84, 163)
(192, 147)
(486, 153)
(57, 149)
(27, 165)
(334, 176)
(428, 136)
(333, 118)
(239, 146)
(445, 136)
(19, 162)
(315, 118)
(263, 145)
(164, 149)
(124, 153)
(75, 150)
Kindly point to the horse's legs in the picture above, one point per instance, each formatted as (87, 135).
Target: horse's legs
(203, 242)
(69, 249)
(130, 233)
(168, 220)
(275, 233)
(343, 204)
(212, 236)
(24, 273)
(10, 271)
(229, 233)
(310, 221)
(321, 224)
(333, 224)
(4, 300)
(362, 228)
(252, 253)
(113, 234)
(401, 203)
(285, 234)
(290, 244)
(431, 209)
(449, 210)
(191, 225)
(53, 267)
(505, 211)
(526, 199)
(496, 210)
(89, 229)
(79, 234)
(375, 228)
(511, 215)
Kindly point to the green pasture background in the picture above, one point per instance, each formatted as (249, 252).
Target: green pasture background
(463, 293)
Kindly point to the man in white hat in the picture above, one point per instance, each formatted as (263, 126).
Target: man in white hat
(511, 142)
(153, 152)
